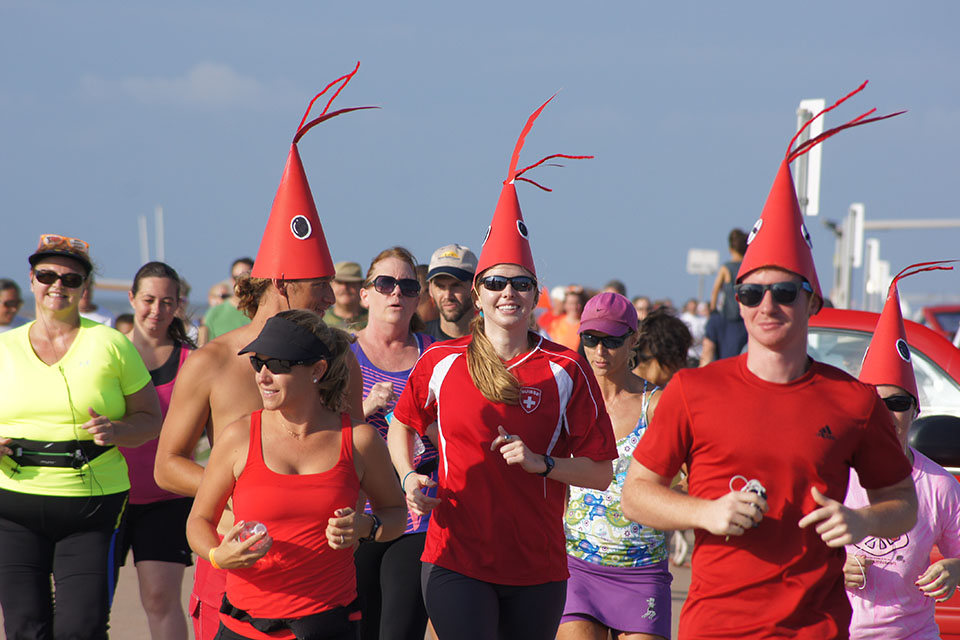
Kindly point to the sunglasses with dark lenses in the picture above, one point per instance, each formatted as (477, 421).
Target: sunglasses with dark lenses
(276, 365)
(499, 283)
(409, 287)
(609, 342)
(69, 280)
(898, 403)
(751, 295)
(12, 304)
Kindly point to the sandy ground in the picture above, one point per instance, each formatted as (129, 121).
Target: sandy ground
(128, 622)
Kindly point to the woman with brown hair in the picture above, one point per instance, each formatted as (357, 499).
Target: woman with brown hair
(297, 467)
(386, 349)
(155, 521)
(519, 418)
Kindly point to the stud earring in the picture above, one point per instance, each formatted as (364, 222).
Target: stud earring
(316, 380)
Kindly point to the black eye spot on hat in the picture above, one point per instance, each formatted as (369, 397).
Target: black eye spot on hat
(522, 228)
(806, 235)
(301, 227)
(755, 230)
(487, 235)
(903, 350)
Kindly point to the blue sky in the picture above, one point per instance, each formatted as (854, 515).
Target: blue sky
(111, 108)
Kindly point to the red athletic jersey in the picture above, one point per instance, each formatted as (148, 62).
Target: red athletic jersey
(496, 522)
(776, 580)
(301, 574)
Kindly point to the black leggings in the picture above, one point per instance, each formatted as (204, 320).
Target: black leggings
(469, 609)
(72, 538)
(388, 583)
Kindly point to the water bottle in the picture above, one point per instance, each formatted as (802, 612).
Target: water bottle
(250, 529)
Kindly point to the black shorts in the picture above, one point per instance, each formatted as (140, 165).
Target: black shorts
(156, 531)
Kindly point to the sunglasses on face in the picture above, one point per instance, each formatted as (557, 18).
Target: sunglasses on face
(409, 288)
(609, 342)
(276, 365)
(499, 283)
(12, 304)
(751, 295)
(898, 403)
(69, 280)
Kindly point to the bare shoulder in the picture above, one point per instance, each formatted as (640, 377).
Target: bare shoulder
(366, 436)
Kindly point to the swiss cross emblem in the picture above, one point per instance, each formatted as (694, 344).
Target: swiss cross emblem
(529, 398)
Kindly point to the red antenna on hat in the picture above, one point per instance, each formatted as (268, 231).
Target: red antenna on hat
(919, 268)
(793, 154)
(302, 129)
(513, 174)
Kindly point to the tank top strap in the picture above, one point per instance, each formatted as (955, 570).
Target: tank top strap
(255, 448)
(346, 439)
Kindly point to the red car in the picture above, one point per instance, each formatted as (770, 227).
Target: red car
(944, 319)
(840, 337)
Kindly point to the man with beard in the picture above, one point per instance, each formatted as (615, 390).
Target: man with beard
(449, 276)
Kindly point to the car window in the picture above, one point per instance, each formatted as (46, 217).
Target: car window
(844, 349)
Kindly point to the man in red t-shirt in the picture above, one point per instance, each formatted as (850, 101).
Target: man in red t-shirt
(769, 438)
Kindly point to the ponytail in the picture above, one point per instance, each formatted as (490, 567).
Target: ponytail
(489, 374)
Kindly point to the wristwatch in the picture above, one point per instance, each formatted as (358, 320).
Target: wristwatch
(373, 530)
(547, 460)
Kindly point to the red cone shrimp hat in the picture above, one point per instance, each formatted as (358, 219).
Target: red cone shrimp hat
(294, 246)
(507, 240)
(780, 238)
(887, 360)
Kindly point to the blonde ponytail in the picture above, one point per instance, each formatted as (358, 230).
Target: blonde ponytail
(489, 374)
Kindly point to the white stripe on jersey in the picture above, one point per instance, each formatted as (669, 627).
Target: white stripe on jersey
(564, 392)
(440, 371)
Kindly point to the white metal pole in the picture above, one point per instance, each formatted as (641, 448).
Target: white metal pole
(144, 245)
(158, 221)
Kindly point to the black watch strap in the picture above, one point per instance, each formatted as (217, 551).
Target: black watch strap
(547, 460)
(373, 529)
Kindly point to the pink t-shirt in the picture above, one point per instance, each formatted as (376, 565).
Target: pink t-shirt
(890, 604)
(140, 460)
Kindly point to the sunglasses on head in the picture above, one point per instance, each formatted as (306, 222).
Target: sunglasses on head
(898, 403)
(53, 241)
(751, 295)
(70, 280)
(609, 342)
(409, 287)
(499, 283)
(276, 365)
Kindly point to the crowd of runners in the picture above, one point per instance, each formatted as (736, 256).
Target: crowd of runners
(454, 446)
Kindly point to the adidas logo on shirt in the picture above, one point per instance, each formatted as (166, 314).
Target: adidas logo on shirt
(826, 433)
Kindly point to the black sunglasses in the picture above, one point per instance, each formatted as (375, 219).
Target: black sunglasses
(12, 304)
(276, 365)
(409, 287)
(899, 403)
(609, 342)
(69, 280)
(499, 283)
(751, 295)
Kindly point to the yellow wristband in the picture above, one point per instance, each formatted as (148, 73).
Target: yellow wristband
(213, 560)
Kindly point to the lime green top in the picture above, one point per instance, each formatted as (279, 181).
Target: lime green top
(49, 403)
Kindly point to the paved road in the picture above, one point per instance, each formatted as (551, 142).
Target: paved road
(128, 622)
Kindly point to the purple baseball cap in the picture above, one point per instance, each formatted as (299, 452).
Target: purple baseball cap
(609, 313)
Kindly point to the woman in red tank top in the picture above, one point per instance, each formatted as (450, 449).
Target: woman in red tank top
(298, 467)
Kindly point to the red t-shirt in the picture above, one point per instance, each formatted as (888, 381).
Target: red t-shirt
(723, 421)
(495, 522)
(300, 575)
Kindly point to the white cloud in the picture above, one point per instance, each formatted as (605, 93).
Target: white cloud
(207, 84)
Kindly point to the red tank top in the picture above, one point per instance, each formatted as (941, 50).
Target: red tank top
(301, 574)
